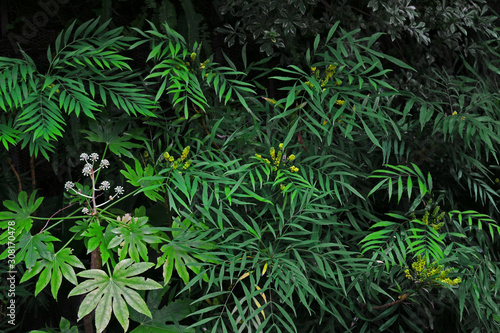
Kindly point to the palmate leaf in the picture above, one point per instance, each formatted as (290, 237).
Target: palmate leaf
(113, 294)
(149, 185)
(97, 237)
(23, 209)
(133, 238)
(54, 269)
(31, 248)
(112, 134)
(174, 312)
(186, 251)
(20, 213)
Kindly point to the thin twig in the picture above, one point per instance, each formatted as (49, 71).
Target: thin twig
(33, 177)
(50, 218)
(17, 175)
(401, 299)
(204, 125)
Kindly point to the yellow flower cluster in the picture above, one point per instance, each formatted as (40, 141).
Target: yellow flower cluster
(451, 282)
(432, 274)
(434, 219)
(190, 61)
(329, 72)
(419, 265)
(278, 159)
(52, 85)
(185, 153)
(168, 157)
(455, 113)
(176, 163)
(204, 64)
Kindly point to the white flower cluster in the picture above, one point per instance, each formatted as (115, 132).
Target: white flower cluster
(89, 170)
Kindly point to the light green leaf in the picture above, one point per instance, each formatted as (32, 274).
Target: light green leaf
(106, 290)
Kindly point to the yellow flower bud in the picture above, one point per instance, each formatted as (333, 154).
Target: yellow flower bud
(185, 153)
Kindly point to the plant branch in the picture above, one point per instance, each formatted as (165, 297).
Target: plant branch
(16, 174)
(399, 300)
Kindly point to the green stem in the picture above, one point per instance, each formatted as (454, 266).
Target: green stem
(69, 241)
(118, 200)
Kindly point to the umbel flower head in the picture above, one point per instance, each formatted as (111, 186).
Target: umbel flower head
(90, 170)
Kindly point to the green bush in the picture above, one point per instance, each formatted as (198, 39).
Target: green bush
(318, 211)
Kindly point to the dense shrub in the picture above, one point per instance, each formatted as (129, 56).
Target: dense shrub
(349, 203)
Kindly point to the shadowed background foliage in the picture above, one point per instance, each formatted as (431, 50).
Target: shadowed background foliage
(384, 219)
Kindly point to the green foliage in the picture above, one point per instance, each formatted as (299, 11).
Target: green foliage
(132, 238)
(344, 203)
(64, 327)
(18, 216)
(54, 269)
(186, 250)
(86, 73)
(433, 236)
(107, 294)
(184, 77)
(174, 312)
